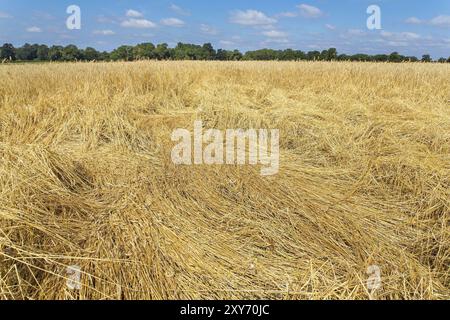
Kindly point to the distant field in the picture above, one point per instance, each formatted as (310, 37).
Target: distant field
(86, 180)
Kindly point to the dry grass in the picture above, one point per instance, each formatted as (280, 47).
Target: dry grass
(86, 179)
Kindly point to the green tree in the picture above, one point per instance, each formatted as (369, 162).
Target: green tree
(90, 54)
(426, 58)
(123, 53)
(360, 57)
(412, 59)
(42, 53)
(234, 55)
(71, 53)
(55, 53)
(221, 55)
(209, 50)
(396, 57)
(287, 55)
(263, 54)
(27, 52)
(104, 56)
(7, 51)
(144, 51)
(162, 51)
(332, 54)
(380, 58)
(323, 55)
(313, 55)
(187, 51)
(328, 55)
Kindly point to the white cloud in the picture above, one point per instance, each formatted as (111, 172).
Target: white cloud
(386, 34)
(4, 15)
(397, 44)
(179, 10)
(34, 29)
(227, 43)
(42, 15)
(309, 11)
(134, 14)
(138, 23)
(330, 27)
(204, 28)
(251, 18)
(172, 22)
(410, 35)
(288, 14)
(413, 20)
(400, 36)
(441, 21)
(104, 32)
(267, 41)
(355, 32)
(266, 27)
(274, 34)
(104, 19)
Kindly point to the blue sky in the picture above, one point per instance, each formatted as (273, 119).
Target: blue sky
(410, 27)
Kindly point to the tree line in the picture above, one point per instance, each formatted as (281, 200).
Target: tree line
(187, 51)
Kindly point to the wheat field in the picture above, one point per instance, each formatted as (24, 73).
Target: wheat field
(86, 180)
